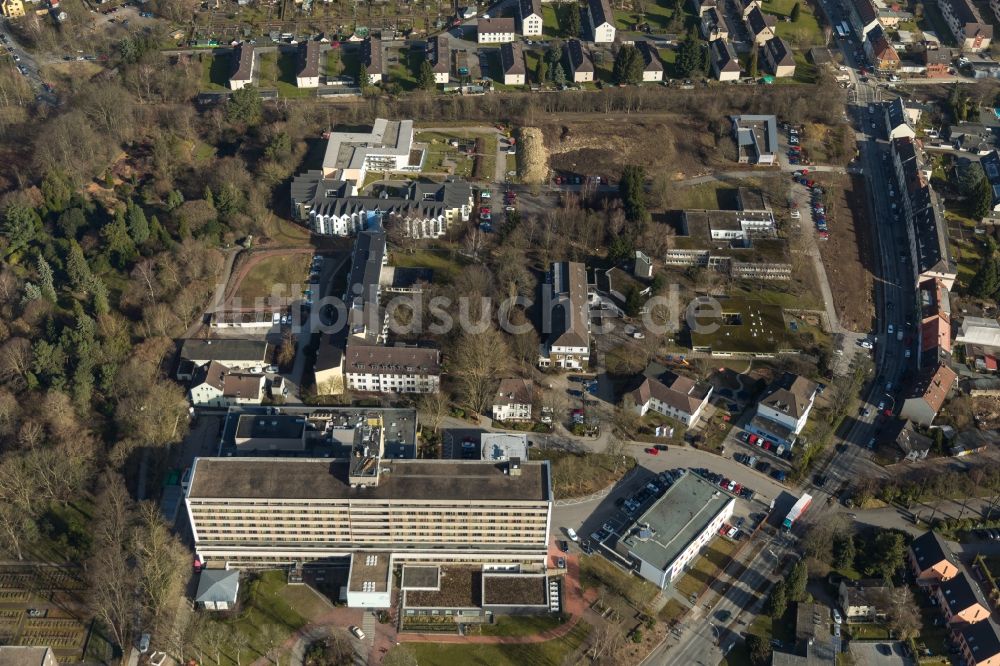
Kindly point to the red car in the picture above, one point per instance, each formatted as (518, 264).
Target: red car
(768, 446)
(485, 210)
(723, 529)
(724, 483)
(652, 452)
(737, 489)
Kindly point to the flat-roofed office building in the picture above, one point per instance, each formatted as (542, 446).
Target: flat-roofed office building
(672, 532)
(266, 511)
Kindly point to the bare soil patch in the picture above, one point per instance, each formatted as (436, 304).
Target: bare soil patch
(848, 255)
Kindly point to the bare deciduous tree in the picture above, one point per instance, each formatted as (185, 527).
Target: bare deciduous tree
(479, 362)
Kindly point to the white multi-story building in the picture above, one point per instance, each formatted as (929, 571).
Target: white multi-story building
(215, 385)
(529, 13)
(350, 156)
(261, 512)
(396, 369)
(233, 354)
(602, 21)
(308, 74)
(242, 67)
(495, 30)
(567, 318)
(674, 530)
(971, 32)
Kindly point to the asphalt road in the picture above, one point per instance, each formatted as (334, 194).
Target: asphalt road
(28, 65)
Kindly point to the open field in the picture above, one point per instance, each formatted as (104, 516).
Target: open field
(446, 264)
(215, 71)
(848, 255)
(673, 145)
(261, 276)
(802, 33)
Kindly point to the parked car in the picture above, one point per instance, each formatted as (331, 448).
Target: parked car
(571, 533)
(652, 451)
(360, 635)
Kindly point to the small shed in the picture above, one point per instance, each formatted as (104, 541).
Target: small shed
(217, 589)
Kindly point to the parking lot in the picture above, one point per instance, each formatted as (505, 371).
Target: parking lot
(878, 654)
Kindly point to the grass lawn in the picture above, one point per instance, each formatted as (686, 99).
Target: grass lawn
(596, 571)
(802, 33)
(657, 14)
(445, 263)
(332, 63)
(521, 625)
(267, 606)
(214, 71)
(707, 567)
(576, 475)
(673, 611)
(713, 195)
(282, 269)
(871, 632)
(403, 71)
(287, 233)
(288, 66)
(439, 151)
(549, 653)
(550, 21)
(351, 63)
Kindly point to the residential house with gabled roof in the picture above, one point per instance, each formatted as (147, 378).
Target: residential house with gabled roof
(963, 18)
(927, 394)
(898, 120)
(981, 339)
(979, 643)
(962, 600)
(242, 67)
(439, 54)
(883, 56)
(513, 400)
(652, 67)
(725, 64)
(863, 600)
(713, 25)
(936, 62)
(494, 30)
(991, 167)
(778, 58)
(699, 7)
(232, 353)
(911, 444)
(529, 15)
(218, 589)
(788, 400)
(512, 64)
(12, 8)
(371, 58)
(935, 321)
(744, 7)
(309, 70)
(602, 21)
(567, 318)
(678, 397)
(760, 25)
(215, 385)
(931, 560)
(863, 16)
(578, 63)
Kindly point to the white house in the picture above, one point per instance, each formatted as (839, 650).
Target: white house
(512, 64)
(439, 55)
(678, 397)
(513, 400)
(308, 74)
(602, 21)
(495, 30)
(218, 589)
(652, 67)
(529, 13)
(788, 401)
(567, 345)
(233, 354)
(580, 67)
(242, 67)
(215, 385)
(371, 57)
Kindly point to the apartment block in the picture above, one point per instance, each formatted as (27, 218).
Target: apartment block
(309, 69)
(529, 14)
(242, 67)
(260, 512)
(963, 18)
